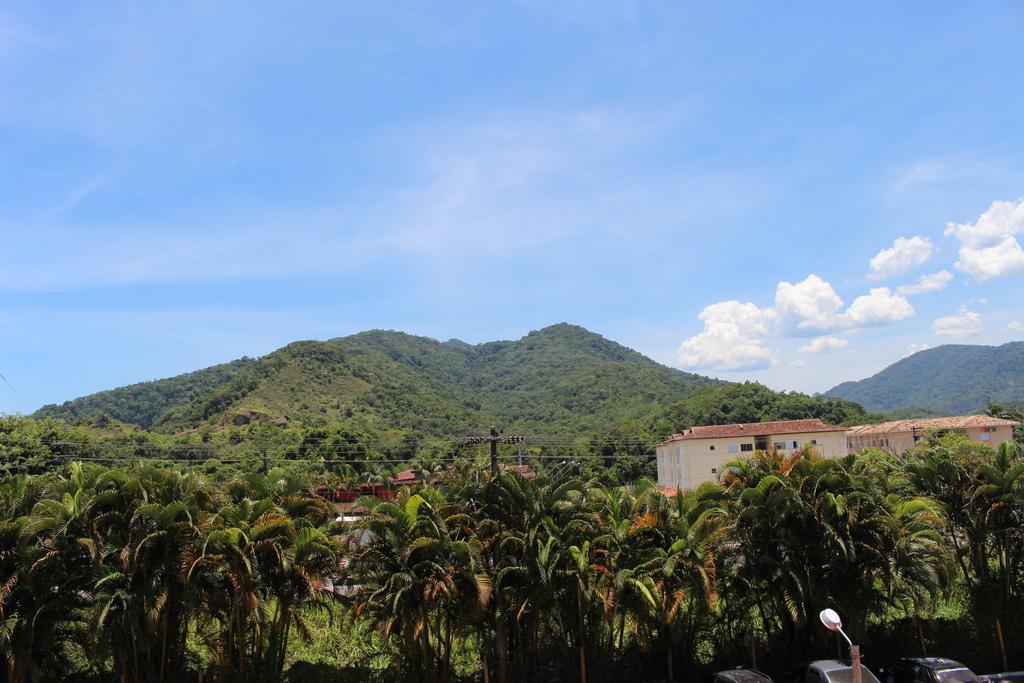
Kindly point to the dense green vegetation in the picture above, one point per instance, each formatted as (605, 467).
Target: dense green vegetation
(616, 452)
(752, 402)
(562, 377)
(147, 573)
(954, 379)
(408, 394)
(144, 402)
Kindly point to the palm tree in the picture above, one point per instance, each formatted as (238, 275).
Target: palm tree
(420, 578)
(677, 577)
(18, 495)
(60, 552)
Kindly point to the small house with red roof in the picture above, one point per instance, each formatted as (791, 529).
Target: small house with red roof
(408, 478)
(698, 454)
(523, 471)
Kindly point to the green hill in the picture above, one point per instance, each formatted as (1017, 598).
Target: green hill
(145, 402)
(558, 378)
(951, 379)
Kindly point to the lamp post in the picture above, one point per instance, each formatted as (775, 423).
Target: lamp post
(832, 622)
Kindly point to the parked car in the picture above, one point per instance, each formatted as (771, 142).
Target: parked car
(740, 675)
(927, 670)
(829, 671)
(1009, 677)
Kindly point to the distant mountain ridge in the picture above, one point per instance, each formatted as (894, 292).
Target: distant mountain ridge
(559, 377)
(950, 379)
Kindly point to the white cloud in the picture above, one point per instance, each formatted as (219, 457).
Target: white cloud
(733, 339)
(879, 307)
(1015, 326)
(823, 344)
(808, 306)
(914, 348)
(904, 254)
(986, 263)
(735, 334)
(797, 364)
(927, 283)
(988, 248)
(965, 323)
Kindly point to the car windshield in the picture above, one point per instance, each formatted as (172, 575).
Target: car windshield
(846, 676)
(748, 677)
(742, 677)
(955, 675)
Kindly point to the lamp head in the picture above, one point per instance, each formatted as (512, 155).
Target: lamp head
(831, 620)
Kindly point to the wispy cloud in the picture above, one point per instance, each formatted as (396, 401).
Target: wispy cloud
(930, 174)
(78, 194)
(503, 186)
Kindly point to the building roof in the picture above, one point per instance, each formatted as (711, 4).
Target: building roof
(754, 429)
(407, 477)
(522, 470)
(926, 423)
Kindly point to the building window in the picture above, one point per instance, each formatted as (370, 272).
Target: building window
(746, 447)
(990, 430)
(796, 445)
(732, 448)
(813, 442)
(711, 448)
(986, 436)
(714, 470)
(781, 445)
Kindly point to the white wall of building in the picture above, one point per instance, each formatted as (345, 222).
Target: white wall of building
(688, 463)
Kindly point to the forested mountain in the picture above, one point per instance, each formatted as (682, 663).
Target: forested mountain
(553, 378)
(561, 379)
(144, 402)
(955, 378)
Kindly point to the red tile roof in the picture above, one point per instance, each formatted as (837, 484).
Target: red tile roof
(522, 470)
(956, 422)
(407, 476)
(753, 429)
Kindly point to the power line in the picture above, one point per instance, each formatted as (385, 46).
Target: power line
(12, 387)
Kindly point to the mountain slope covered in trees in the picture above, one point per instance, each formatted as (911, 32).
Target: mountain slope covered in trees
(954, 378)
(561, 379)
(557, 377)
(144, 402)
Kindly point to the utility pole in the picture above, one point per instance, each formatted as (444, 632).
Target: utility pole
(493, 438)
(494, 451)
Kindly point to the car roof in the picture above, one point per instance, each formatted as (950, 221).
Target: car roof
(826, 665)
(935, 662)
(744, 676)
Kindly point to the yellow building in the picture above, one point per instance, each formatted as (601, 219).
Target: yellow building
(896, 437)
(697, 455)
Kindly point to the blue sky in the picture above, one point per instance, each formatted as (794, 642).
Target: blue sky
(742, 189)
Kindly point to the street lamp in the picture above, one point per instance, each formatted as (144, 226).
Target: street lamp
(832, 622)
